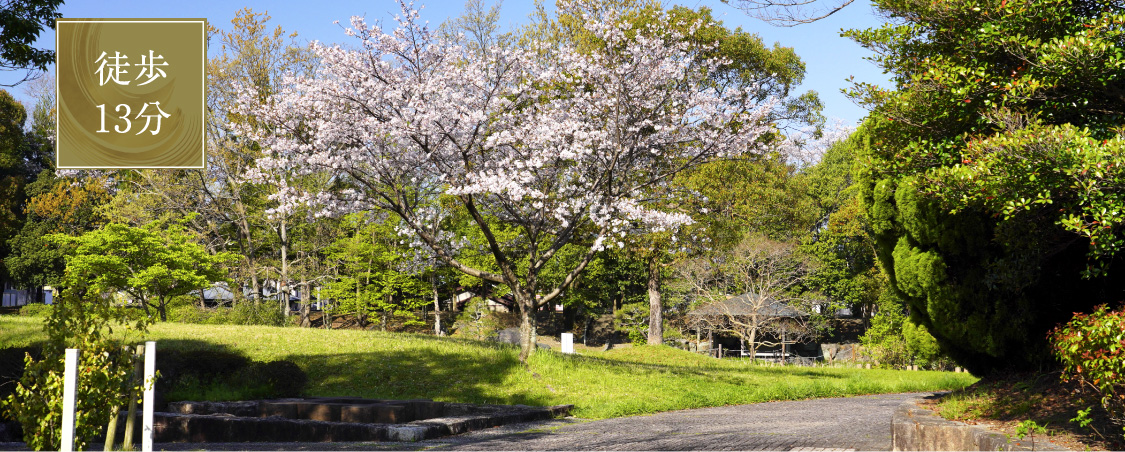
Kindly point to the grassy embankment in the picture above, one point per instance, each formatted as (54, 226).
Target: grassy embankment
(600, 385)
(1002, 402)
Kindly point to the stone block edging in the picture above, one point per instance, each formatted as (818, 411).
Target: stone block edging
(914, 428)
(224, 427)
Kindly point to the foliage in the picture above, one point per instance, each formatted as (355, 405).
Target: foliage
(988, 168)
(632, 319)
(153, 264)
(11, 370)
(620, 382)
(756, 194)
(841, 241)
(376, 273)
(547, 144)
(1092, 350)
(85, 322)
(68, 205)
(36, 310)
(20, 25)
(1030, 428)
(242, 313)
(893, 340)
(475, 321)
(13, 169)
(755, 291)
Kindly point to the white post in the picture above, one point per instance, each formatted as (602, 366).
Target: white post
(568, 343)
(149, 397)
(70, 377)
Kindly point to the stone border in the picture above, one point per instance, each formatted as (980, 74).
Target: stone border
(914, 428)
(224, 427)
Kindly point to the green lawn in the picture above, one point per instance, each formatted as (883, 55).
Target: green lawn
(600, 385)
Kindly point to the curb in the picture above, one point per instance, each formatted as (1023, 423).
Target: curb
(914, 428)
(225, 427)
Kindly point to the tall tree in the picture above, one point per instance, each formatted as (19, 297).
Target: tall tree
(993, 178)
(374, 272)
(66, 205)
(748, 62)
(562, 150)
(770, 307)
(788, 13)
(13, 170)
(21, 21)
(232, 211)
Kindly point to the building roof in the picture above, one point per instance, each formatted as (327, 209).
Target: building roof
(746, 304)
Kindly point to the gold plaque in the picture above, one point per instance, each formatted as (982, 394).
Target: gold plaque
(130, 93)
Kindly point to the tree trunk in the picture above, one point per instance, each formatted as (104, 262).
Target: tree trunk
(528, 328)
(256, 287)
(306, 305)
(753, 343)
(437, 305)
(655, 304)
(284, 232)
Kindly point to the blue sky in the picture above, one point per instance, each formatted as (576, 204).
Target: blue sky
(829, 58)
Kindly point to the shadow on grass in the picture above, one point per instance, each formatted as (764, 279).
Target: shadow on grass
(417, 373)
(198, 370)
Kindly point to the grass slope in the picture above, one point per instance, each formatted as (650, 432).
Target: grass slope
(600, 385)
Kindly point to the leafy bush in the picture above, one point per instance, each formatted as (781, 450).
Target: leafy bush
(476, 321)
(36, 310)
(94, 325)
(1092, 350)
(11, 369)
(245, 313)
(632, 319)
(893, 340)
(188, 314)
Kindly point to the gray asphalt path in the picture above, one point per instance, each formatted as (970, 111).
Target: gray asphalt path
(852, 423)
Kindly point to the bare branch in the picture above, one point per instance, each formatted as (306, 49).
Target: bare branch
(788, 13)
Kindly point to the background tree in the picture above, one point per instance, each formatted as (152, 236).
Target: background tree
(230, 212)
(992, 180)
(788, 13)
(374, 277)
(152, 264)
(840, 240)
(755, 291)
(64, 205)
(21, 21)
(561, 153)
(13, 168)
(773, 72)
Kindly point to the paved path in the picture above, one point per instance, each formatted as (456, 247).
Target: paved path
(860, 423)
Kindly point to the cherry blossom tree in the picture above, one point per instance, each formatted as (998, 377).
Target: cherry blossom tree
(563, 149)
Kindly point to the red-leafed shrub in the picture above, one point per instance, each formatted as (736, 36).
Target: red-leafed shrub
(1092, 349)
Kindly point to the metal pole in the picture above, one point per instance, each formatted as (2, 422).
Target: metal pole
(149, 398)
(70, 377)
